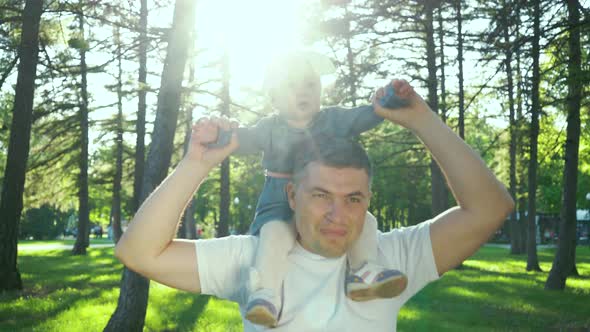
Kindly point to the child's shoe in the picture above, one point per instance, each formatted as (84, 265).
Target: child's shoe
(262, 308)
(372, 281)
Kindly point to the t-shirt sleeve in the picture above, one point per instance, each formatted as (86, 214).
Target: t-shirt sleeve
(223, 264)
(409, 250)
(352, 122)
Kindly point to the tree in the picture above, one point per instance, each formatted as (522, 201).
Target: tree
(11, 203)
(532, 258)
(564, 262)
(132, 303)
(438, 187)
(505, 21)
(224, 186)
(116, 206)
(141, 107)
(83, 209)
(460, 58)
(188, 229)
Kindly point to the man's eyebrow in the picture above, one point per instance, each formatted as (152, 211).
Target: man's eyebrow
(354, 193)
(320, 189)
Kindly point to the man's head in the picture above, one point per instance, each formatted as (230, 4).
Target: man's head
(330, 194)
(294, 86)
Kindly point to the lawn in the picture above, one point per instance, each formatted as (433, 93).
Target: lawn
(492, 292)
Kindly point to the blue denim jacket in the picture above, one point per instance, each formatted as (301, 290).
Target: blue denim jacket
(277, 140)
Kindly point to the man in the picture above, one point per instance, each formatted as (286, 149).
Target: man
(329, 194)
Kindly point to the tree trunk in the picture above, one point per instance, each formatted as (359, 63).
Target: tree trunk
(532, 259)
(520, 135)
(514, 229)
(460, 74)
(116, 206)
(564, 262)
(224, 191)
(11, 203)
(188, 229)
(141, 107)
(132, 304)
(438, 189)
(83, 208)
(443, 90)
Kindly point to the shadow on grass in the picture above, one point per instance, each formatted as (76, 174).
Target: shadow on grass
(189, 316)
(452, 309)
(32, 312)
(50, 270)
(487, 300)
(53, 282)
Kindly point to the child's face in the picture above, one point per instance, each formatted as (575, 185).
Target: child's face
(297, 96)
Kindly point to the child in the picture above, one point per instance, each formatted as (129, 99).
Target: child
(293, 83)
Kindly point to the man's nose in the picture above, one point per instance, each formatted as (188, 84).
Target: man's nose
(337, 212)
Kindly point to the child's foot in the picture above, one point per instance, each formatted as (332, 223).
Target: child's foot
(372, 281)
(262, 308)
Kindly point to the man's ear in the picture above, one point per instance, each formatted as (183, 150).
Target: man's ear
(290, 188)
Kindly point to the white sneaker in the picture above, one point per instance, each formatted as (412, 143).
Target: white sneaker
(372, 281)
(262, 308)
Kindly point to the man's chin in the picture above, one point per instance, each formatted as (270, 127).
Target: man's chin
(331, 251)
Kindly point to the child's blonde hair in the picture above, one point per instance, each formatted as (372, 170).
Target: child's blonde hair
(284, 64)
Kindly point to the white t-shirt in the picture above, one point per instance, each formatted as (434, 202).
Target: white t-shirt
(314, 296)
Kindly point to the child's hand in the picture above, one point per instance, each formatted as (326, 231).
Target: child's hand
(408, 116)
(204, 132)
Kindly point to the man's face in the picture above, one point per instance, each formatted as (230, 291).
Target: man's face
(330, 206)
(297, 95)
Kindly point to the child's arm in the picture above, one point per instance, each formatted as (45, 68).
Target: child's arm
(251, 139)
(357, 120)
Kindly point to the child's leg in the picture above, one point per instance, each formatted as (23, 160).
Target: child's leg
(365, 247)
(367, 279)
(276, 239)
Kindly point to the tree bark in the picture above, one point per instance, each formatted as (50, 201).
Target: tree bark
(188, 229)
(520, 135)
(460, 74)
(11, 203)
(82, 238)
(116, 206)
(564, 262)
(443, 89)
(514, 229)
(224, 187)
(438, 189)
(141, 107)
(132, 303)
(532, 258)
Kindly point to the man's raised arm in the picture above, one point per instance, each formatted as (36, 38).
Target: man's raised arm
(483, 202)
(148, 246)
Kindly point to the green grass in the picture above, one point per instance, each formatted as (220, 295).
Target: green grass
(491, 293)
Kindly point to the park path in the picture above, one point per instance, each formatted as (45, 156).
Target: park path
(59, 246)
(507, 246)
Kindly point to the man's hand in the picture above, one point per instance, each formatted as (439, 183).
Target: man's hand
(205, 131)
(410, 116)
